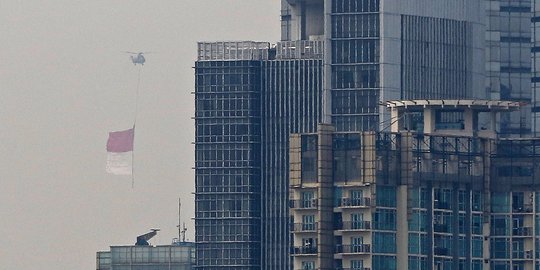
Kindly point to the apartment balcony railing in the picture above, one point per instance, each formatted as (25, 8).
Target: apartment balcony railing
(353, 225)
(304, 250)
(354, 268)
(441, 228)
(361, 248)
(441, 251)
(522, 231)
(441, 205)
(355, 202)
(304, 227)
(526, 208)
(303, 204)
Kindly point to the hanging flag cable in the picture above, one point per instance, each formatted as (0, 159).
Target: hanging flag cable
(120, 143)
(134, 123)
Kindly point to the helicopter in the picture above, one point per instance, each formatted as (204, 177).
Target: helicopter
(137, 58)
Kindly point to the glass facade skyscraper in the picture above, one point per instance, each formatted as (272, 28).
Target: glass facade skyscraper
(249, 98)
(227, 159)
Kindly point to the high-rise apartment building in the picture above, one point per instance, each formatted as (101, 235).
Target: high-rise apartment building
(433, 193)
(338, 62)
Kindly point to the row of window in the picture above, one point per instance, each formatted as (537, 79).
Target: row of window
(352, 6)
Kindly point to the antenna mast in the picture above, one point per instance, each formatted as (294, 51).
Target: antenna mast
(181, 226)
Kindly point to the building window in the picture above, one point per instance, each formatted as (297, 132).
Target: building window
(357, 197)
(384, 262)
(357, 221)
(477, 201)
(357, 265)
(518, 250)
(500, 202)
(356, 243)
(500, 248)
(417, 263)
(442, 245)
(308, 222)
(463, 198)
(309, 158)
(500, 225)
(308, 199)
(418, 221)
(477, 247)
(443, 222)
(384, 219)
(442, 198)
(414, 243)
(517, 202)
(384, 242)
(477, 265)
(308, 265)
(386, 196)
(477, 224)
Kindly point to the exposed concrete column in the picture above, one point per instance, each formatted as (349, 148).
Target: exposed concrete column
(325, 230)
(402, 233)
(468, 128)
(396, 124)
(327, 64)
(493, 121)
(429, 120)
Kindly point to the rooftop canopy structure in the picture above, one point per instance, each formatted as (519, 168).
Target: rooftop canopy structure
(448, 117)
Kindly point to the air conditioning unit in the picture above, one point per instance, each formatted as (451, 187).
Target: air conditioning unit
(314, 202)
(528, 254)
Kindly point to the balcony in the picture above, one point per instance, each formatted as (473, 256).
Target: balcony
(354, 202)
(304, 227)
(304, 250)
(353, 225)
(441, 205)
(355, 268)
(352, 249)
(441, 251)
(526, 208)
(303, 204)
(441, 228)
(522, 231)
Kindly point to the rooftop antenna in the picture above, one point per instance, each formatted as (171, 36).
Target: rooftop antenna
(181, 225)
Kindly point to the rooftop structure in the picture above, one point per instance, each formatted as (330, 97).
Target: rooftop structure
(449, 117)
(178, 256)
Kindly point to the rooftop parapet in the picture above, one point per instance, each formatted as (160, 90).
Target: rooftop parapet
(233, 50)
(300, 49)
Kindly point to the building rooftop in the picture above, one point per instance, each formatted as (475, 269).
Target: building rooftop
(474, 104)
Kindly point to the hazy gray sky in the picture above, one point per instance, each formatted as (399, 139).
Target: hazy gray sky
(64, 83)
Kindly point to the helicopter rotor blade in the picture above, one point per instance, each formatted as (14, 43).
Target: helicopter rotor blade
(131, 52)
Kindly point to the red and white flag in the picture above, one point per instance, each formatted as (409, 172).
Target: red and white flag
(120, 152)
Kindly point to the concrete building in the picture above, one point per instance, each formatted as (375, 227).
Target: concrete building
(441, 190)
(178, 256)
